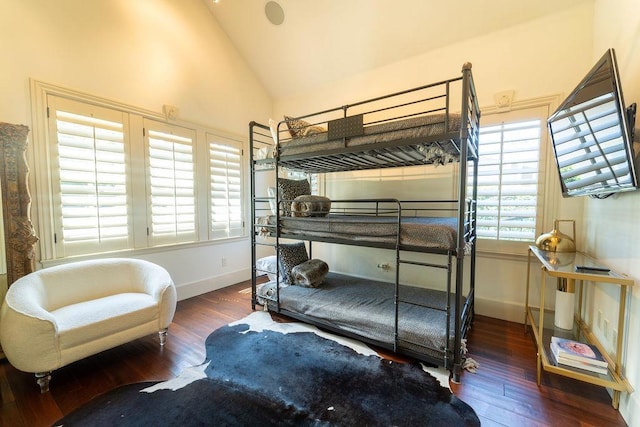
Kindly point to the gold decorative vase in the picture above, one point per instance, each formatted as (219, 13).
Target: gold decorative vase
(555, 241)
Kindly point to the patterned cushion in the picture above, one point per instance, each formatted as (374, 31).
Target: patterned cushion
(310, 274)
(299, 128)
(290, 255)
(288, 190)
(310, 205)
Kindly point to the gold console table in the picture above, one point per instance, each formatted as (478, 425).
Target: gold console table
(563, 266)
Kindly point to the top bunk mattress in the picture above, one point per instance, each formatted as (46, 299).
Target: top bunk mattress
(418, 140)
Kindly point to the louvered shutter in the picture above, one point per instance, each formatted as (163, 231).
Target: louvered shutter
(92, 210)
(508, 174)
(170, 183)
(225, 163)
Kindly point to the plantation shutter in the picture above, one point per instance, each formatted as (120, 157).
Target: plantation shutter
(225, 163)
(508, 173)
(170, 183)
(92, 210)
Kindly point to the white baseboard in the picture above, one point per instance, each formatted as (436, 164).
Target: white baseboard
(513, 312)
(630, 409)
(188, 290)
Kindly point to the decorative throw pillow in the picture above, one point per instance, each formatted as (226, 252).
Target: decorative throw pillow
(271, 192)
(267, 265)
(310, 205)
(299, 128)
(273, 127)
(288, 190)
(290, 255)
(310, 274)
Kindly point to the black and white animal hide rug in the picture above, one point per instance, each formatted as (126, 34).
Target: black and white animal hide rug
(260, 372)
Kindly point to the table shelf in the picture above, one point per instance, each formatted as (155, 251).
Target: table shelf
(562, 265)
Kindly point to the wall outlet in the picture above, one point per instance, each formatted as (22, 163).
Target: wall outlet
(384, 266)
(223, 261)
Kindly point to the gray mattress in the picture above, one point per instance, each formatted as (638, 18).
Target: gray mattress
(422, 232)
(423, 127)
(366, 308)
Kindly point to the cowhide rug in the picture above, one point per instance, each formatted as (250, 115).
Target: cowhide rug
(260, 372)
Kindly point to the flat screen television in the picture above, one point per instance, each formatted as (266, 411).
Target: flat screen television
(592, 135)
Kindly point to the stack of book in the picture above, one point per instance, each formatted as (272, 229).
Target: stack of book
(578, 355)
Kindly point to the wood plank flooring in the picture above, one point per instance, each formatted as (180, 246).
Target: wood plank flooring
(503, 392)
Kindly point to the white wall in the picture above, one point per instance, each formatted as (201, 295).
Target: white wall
(540, 58)
(612, 226)
(535, 59)
(143, 53)
(545, 57)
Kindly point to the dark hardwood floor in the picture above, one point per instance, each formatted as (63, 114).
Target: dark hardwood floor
(503, 391)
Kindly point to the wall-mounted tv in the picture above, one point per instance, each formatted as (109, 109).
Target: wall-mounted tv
(592, 135)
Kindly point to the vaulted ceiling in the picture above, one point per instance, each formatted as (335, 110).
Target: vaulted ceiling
(321, 41)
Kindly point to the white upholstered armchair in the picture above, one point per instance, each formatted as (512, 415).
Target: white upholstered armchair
(55, 316)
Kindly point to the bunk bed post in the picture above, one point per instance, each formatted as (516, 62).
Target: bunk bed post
(462, 191)
(252, 196)
(475, 136)
(277, 229)
(397, 284)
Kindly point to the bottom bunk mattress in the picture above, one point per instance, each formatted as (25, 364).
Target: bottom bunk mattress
(366, 308)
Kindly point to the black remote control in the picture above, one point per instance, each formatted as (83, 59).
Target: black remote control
(591, 269)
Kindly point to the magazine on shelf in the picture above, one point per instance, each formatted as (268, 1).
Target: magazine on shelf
(567, 349)
(581, 366)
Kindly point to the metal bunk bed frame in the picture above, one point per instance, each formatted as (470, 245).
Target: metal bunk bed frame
(465, 140)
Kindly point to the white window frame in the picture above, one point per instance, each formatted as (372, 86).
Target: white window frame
(547, 193)
(42, 153)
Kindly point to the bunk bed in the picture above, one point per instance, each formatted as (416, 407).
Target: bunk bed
(434, 124)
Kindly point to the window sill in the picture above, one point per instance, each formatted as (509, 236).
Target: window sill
(140, 252)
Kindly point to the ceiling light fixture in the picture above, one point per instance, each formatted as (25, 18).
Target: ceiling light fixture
(274, 12)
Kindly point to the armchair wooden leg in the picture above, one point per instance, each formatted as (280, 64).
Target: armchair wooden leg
(43, 378)
(163, 336)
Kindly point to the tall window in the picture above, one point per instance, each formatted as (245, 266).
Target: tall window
(509, 177)
(91, 202)
(225, 166)
(171, 183)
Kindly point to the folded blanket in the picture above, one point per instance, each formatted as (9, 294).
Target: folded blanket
(310, 205)
(264, 231)
(310, 274)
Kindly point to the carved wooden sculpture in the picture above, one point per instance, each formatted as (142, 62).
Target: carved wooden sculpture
(20, 238)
